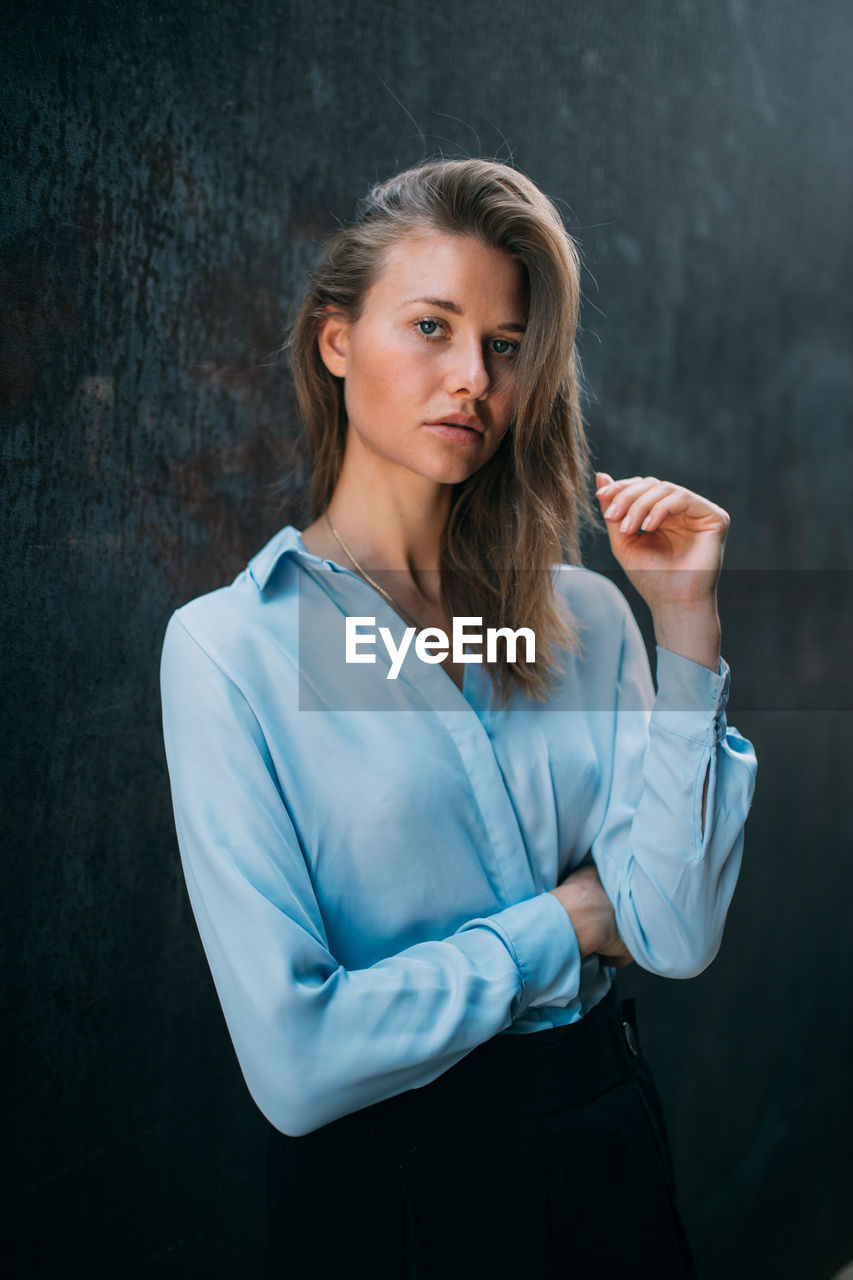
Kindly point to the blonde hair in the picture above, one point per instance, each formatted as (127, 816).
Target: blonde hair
(522, 511)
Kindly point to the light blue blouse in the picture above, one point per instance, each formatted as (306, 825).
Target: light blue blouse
(369, 860)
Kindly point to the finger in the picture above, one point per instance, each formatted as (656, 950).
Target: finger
(603, 481)
(670, 505)
(614, 486)
(639, 508)
(620, 500)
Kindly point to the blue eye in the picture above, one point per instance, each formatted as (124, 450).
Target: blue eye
(427, 327)
(504, 347)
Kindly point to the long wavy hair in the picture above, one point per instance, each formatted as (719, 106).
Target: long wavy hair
(516, 517)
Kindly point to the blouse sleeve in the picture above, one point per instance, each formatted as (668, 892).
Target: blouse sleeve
(316, 1041)
(670, 876)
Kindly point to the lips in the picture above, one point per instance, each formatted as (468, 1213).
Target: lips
(467, 420)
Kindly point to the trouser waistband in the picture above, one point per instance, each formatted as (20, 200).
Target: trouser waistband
(532, 1073)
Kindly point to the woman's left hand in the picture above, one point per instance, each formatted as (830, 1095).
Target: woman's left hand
(656, 526)
(670, 543)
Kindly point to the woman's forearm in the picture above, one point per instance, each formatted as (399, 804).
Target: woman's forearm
(693, 631)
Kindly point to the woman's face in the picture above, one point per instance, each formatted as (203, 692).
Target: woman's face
(429, 367)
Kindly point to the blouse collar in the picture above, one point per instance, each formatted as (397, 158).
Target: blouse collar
(288, 541)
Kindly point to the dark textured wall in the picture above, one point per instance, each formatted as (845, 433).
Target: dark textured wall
(168, 171)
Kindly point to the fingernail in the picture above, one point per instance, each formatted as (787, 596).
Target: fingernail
(604, 489)
(645, 523)
(610, 512)
(623, 528)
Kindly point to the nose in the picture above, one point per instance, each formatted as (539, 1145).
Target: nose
(468, 374)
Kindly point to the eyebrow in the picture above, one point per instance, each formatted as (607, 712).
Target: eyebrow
(444, 304)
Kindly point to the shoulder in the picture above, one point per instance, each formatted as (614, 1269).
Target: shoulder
(593, 600)
(229, 624)
(609, 652)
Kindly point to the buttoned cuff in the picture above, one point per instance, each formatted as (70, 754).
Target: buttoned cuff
(541, 940)
(691, 699)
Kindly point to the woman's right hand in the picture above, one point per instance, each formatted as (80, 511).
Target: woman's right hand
(592, 917)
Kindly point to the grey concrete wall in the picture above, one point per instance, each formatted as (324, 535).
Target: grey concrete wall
(168, 171)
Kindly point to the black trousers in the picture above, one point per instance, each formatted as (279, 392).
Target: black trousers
(541, 1156)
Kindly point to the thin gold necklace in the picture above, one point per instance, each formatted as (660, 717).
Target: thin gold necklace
(394, 603)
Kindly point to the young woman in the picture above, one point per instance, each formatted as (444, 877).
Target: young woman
(414, 865)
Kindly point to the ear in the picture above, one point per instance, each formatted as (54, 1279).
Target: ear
(333, 342)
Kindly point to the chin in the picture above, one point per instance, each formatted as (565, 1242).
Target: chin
(451, 468)
(451, 472)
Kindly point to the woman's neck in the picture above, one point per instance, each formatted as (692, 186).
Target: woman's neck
(386, 526)
(389, 527)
